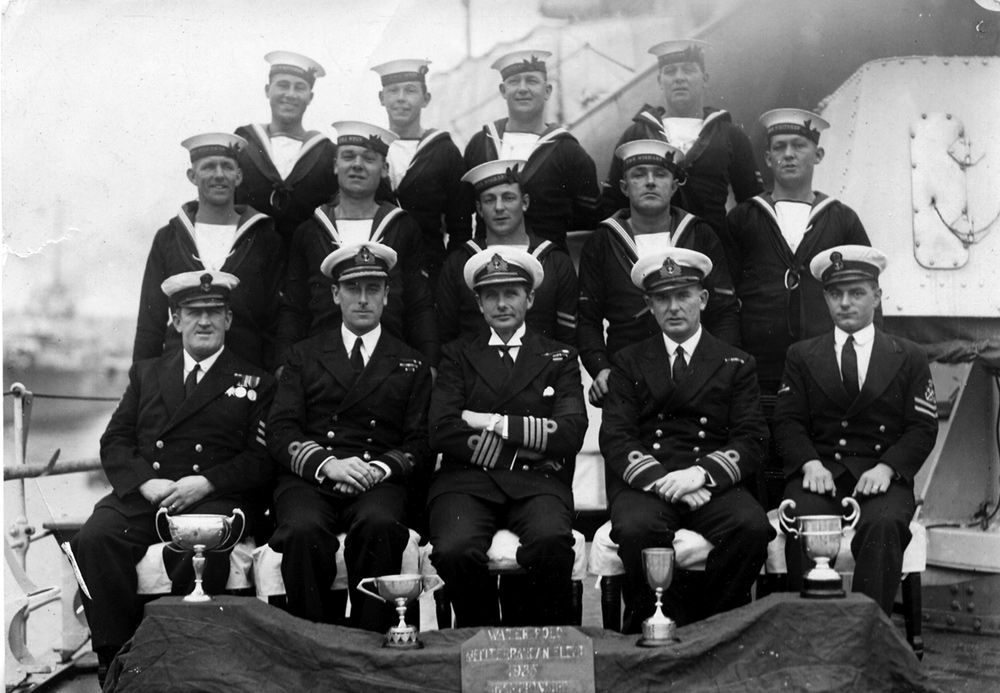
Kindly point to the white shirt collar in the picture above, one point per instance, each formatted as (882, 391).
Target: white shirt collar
(862, 337)
(515, 339)
(690, 344)
(368, 340)
(204, 364)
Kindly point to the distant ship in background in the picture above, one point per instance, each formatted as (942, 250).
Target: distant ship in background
(51, 349)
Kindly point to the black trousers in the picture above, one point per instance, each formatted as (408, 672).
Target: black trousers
(108, 548)
(733, 521)
(309, 521)
(461, 530)
(881, 535)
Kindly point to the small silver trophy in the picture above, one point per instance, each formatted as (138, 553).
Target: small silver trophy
(658, 630)
(820, 536)
(201, 533)
(402, 589)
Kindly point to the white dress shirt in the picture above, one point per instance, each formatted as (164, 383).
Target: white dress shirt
(689, 344)
(863, 341)
(369, 341)
(513, 348)
(204, 364)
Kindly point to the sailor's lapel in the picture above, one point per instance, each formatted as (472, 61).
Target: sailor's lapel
(702, 366)
(380, 364)
(219, 378)
(822, 360)
(654, 364)
(171, 380)
(485, 359)
(336, 359)
(531, 360)
(885, 362)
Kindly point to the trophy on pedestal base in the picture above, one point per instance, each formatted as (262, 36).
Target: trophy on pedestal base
(820, 536)
(200, 533)
(402, 589)
(659, 629)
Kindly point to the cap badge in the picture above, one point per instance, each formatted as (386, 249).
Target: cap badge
(533, 65)
(838, 261)
(206, 282)
(498, 264)
(669, 268)
(364, 257)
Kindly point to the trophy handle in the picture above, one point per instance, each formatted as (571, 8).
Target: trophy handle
(852, 517)
(436, 586)
(236, 524)
(787, 523)
(361, 588)
(161, 525)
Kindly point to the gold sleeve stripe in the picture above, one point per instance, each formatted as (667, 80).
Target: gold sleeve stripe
(641, 464)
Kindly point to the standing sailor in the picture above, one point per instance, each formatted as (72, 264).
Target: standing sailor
(770, 240)
(650, 226)
(213, 233)
(502, 204)
(288, 170)
(307, 306)
(717, 153)
(560, 176)
(425, 166)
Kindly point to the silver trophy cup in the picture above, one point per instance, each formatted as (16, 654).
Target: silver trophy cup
(402, 589)
(200, 533)
(658, 630)
(820, 536)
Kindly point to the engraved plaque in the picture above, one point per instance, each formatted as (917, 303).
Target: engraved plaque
(533, 659)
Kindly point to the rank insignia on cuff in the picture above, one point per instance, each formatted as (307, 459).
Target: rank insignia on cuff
(560, 355)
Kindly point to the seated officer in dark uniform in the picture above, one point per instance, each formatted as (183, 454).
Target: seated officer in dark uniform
(856, 416)
(508, 415)
(682, 430)
(349, 429)
(188, 436)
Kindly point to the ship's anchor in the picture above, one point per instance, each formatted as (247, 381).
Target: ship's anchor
(963, 227)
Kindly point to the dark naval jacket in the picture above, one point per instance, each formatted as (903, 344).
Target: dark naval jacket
(321, 410)
(712, 418)
(157, 433)
(893, 420)
(431, 192)
(547, 419)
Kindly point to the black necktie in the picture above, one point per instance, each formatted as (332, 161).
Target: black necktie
(680, 365)
(849, 368)
(506, 359)
(357, 363)
(191, 381)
